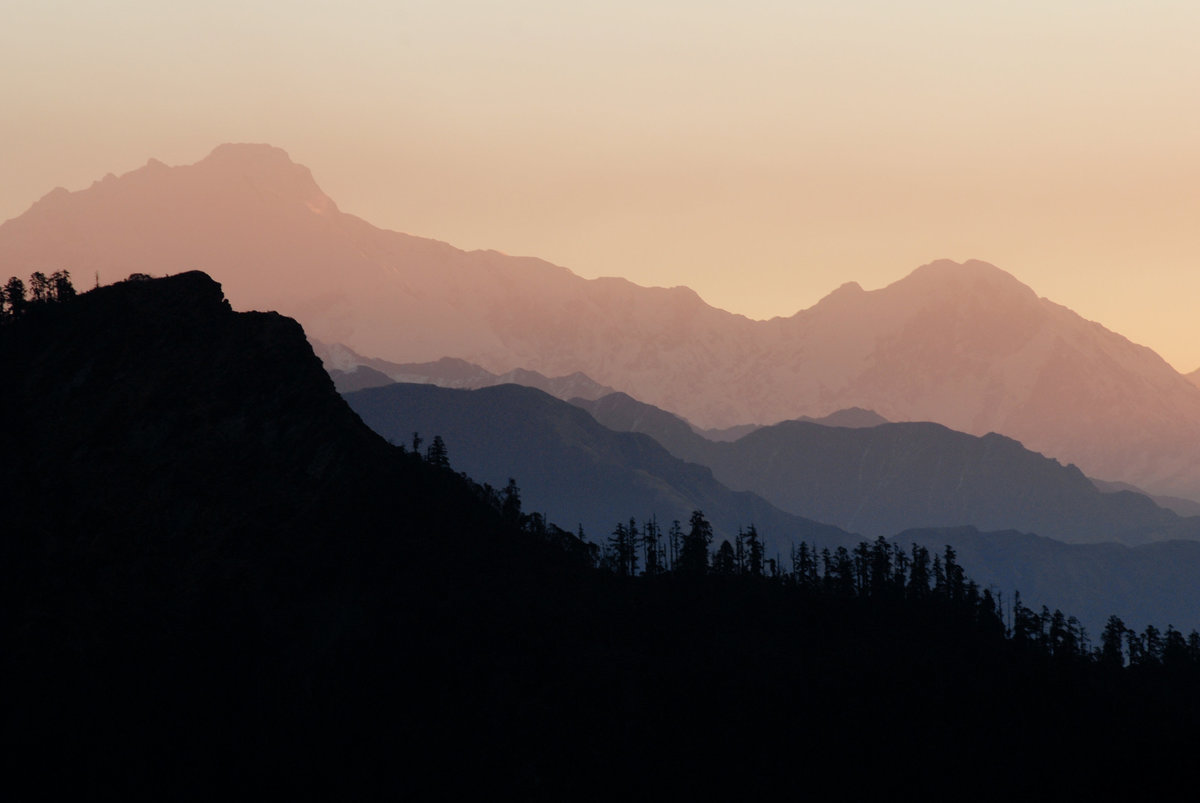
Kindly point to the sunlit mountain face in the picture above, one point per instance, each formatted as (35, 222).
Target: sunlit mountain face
(965, 345)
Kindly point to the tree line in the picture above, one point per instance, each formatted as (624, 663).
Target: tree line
(16, 300)
(880, 571)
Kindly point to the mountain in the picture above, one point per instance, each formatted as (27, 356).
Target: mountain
(351, 371)
(572, 469)
(1181, 506)
(879, 480)
(965, 345)
(621, 412)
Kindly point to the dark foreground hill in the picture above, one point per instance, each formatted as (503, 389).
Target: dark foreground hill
(214, 573)
(216, 580)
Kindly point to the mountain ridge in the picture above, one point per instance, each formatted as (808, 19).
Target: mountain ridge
(571, 468)
(965, 345)
(887, 477)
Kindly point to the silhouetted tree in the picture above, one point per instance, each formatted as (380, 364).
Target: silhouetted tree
(510, 502)
(880, 567)
(14, 297)
(652, 547)
(841, 574)
(693, 553)
(1063, 636)
(804, 567)
(955, 577)
(990, 616)
(1152, 639)
(436, 454)
(1175, 649)
(675, 541)
(918, 578)
(60, 281)
(40, 288)
(623, 548)
(754, 552)
(1136, 647)
(724, 562)
(1026, 629)
(939, 578)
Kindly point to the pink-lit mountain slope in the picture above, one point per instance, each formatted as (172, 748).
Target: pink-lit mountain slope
(965, 345)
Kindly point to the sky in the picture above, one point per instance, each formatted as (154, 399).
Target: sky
(761, 152)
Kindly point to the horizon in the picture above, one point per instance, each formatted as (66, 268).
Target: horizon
(762, 157)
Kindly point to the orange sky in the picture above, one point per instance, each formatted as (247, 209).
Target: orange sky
(760, 152)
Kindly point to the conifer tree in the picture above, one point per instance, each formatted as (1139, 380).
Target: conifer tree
(60, 284)
(918, 579)
(753, 552)
(510, 502)
(725, 562)
(39, 288)
(436, 455)
(14, 297)
(693, 553)
(652, 547)
(675, 541)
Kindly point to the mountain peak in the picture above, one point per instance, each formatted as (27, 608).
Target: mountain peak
(246, 153)
(975, 276)
(268, 168)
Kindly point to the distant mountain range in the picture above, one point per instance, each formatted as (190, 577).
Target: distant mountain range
(351, 371)
(573, 470)
(964, 345)
(576, 471)
(881, 479)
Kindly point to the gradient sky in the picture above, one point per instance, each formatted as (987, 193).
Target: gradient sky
(759, 152)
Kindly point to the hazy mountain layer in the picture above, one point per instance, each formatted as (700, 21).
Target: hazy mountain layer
(965, 345)
(351, 371)
(890, 477)
(571, 468)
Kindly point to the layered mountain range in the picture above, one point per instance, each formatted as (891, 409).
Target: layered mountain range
(879, 479)
(351, 371)
(964, 345)
(875, 481)
(572, 469)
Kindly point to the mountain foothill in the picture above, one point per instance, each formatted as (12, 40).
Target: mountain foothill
(220, 573)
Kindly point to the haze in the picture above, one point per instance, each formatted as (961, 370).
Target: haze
(761, 155)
